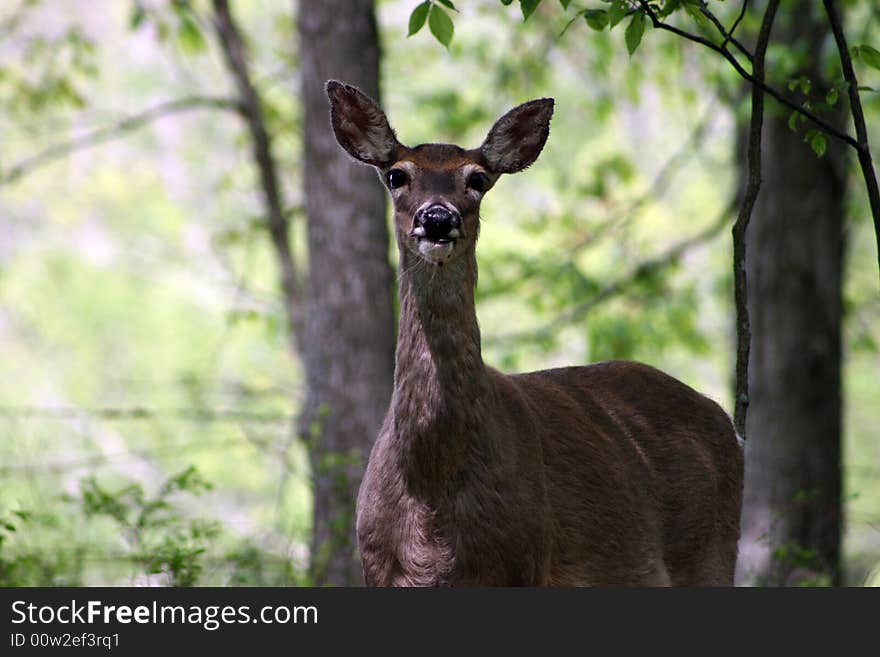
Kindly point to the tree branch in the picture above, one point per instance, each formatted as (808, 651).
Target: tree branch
(753, 186)
(611, 290)
(232, 45)
(102, 135)
(742, 13)
(858, 116)
(724, 52)
(728, 36)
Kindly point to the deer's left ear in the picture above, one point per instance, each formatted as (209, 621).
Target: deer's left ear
(360, 125)
(517, 138)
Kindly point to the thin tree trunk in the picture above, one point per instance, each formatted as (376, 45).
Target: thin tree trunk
(740, 228)
(348, 343)
(251, 108)
(792, 514)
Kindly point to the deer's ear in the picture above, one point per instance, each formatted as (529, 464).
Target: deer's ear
(360, 125)
(516, 139)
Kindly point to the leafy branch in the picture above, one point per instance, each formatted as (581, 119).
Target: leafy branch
(619, 286)
(858, 115)
(640, 12)
(158, 536)
(438, 20)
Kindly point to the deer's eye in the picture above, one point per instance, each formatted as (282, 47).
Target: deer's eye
(478, 181)
(396, 178)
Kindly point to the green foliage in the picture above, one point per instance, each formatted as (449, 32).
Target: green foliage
(803, 83)
(177, 19)
(24, 562)
(693, 9)
(817, 141)
(832, 96)
(528, 7)
(618, 10)
(158, 536)
(418, 17)
(253, 565)
(868, 54)
(634, 31)
(596, 18)
(438, 20)
(441, 25)
(49, 71)
(804, 564)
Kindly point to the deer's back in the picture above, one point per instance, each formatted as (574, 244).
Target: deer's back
(638, 467)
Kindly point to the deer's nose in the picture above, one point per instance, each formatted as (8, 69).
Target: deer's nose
(437, 223)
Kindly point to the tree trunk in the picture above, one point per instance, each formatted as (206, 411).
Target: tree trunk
(348, 343)
(792, 513)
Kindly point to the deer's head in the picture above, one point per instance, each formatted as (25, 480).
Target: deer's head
(437, 188)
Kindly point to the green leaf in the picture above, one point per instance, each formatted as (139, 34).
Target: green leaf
(447, 3)
(634, 32)
(831, 97)
(871, 56)
(441, 25)
(137, 17)
(596, 18)
(793, 121)
(669, 8)
(818, 143)
(565, 4)
(506, 2)
(418, 17)
(803, 82)
(191, 38)
(616, 12)
(693, 10)
(528, 7)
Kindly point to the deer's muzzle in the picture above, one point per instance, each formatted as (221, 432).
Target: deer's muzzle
(437, 223)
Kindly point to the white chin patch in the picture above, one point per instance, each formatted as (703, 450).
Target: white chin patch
(436, 253)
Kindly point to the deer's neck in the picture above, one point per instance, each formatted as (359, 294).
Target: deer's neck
(441, 386)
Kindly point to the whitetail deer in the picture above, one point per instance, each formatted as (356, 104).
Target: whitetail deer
(609, 474)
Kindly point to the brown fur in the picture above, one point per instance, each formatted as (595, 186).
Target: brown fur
(436, 157)
(609, 474)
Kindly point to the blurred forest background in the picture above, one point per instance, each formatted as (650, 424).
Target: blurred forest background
(192, 273)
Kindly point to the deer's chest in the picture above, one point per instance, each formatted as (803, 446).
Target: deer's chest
(400, 544)
(468, 538)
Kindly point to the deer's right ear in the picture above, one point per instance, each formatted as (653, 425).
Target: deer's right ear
(360, 125)
(517, 138)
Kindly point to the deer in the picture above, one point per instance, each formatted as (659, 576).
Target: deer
(608, 474)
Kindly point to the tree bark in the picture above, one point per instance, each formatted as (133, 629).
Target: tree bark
(348, 343)
(792, 515)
